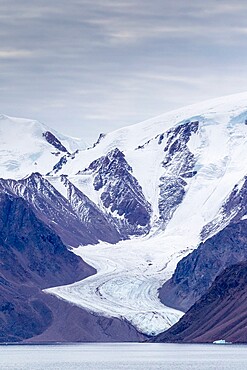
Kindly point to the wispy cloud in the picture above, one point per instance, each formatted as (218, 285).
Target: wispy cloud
(15, 54)
(83, 64)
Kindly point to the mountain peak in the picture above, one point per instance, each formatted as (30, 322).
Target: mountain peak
(28, 146)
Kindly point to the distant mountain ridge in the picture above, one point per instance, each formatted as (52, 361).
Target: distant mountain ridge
(28, 146)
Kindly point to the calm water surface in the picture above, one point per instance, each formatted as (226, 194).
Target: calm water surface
(123, 356)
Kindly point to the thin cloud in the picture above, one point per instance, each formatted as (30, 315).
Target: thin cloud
(90, 66)
(15, 54)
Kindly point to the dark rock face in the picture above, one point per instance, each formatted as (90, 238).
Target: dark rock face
(196, 272)
(100, 138)
(23, 317)
(219, 314)
(51, 139)
(234, 208)
(23, 235)
(62, 161)
(121, 193)
(59, 165)
(178, 164)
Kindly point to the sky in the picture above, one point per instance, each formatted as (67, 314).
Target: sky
(89, 66)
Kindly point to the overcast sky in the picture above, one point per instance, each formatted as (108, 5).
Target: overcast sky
(90, 66)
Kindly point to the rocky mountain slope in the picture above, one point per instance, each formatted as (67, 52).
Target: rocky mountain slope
(219, 314)
(32, 258)
(61, 214)
(196, 272)
(137, 202)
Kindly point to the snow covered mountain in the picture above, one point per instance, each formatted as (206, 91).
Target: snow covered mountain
(28, 146)
(142, 198)
(187, 163)
(60, 214)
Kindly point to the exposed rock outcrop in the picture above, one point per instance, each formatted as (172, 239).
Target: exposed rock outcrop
(121, 193)
(196, 272)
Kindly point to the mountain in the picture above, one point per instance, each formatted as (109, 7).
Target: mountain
(219, 314)
(61, 214)
(120, 192)
(196, 272)
(136, 203)
(28, 146)
(185, 159)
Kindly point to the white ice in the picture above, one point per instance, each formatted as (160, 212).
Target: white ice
(127, 281)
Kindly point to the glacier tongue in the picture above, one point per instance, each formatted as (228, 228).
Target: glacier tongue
(127, 281)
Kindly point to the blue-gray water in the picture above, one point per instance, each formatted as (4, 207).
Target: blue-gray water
(123, 356)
